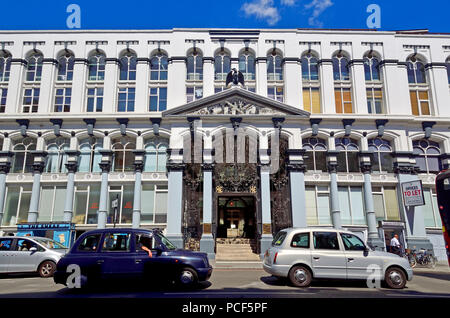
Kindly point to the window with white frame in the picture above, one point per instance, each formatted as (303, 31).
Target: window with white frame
(342, 84)
(427, 153)
(63, 88)
(90, 156)
(127, 64)
(158, 82)
(34, 68)
(154, 203)
(5, 66)
(123, 156)
(56, 157)
(96, 67)
(125, 194)
(65, 68)
(158, 67)
(23, 158)
(222, 66)
(385, 203)
(126, 99)
(52, 203)
(94, 99)
(158, 99)
(17, 204)
(194, 64)
(315, 157)
(247, 66)
(3, 96)
(30, 100)
(382, 160)
(275, 83)
(155, 159)
(311, 83)
(374, 85)
(317, 199)
(418, 87)
(31, 88)
(194, 93)
(347, 158)
(63, 97)
(351, 201)
(430, 210)
(86, 203)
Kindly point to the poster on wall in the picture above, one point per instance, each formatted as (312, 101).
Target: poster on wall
(413, 193)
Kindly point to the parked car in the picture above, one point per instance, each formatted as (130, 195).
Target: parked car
(124, 254)
(304, 254)
(29, 254)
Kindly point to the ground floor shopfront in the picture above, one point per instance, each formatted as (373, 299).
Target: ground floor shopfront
(231, 165)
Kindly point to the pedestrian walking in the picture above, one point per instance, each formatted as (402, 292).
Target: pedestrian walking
(395, 245)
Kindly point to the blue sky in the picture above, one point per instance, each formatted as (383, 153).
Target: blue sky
(167, 14)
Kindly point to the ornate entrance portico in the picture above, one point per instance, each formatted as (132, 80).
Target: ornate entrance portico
(233, 138)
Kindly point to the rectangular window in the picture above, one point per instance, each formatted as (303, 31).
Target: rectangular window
(430, 209)
(62, 100)
(116, 242)
(300, 240)
(95, 99)
(375, 101)
(194, 93)
(276, 93)
(125, 194)
(158, 99)
(326, 241)
(420, 104)
(343, 101)
(17, 204)
(154, 204)
(386, 203)
(30, 101)
(5, 244)
(90, 243)
(311, 100)
(3, 95)
(126, 99)
(352, 205)
(52, 204)
(317, 205)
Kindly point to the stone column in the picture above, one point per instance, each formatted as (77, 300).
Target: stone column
(437, 73)
(46, 85)
(71, 165)
(175, 203)
(79, 86)
(266, 236)
(5, 165)
(334, 193)
(110, 88)
(38, 168)
(372, 239)
(105, 165)
(261, 76)
(359, 87)
(297, 170)
(15, 86)
(207, 241)
(142, 90)
(138, 168)
(327, 99)
(208, 76)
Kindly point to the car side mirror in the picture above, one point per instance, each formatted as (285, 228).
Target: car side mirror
(158, 251)
(33, 249)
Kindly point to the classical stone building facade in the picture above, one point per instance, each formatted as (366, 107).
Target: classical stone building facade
(325, 129)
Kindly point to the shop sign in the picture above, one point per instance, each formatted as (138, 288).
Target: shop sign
(413, 193)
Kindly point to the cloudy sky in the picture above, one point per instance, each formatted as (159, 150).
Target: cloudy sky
(150, 14)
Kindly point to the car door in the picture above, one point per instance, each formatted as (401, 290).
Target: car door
(328, 258)
(359, 260)
(5, 254)
(146, 266)
(88, 257)
(119, 261)
(24, 260)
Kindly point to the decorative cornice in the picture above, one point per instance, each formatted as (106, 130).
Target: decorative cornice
(175, 166)
(296, 167)
(72, 153)
(208, 166)
(332, 167)
(39, 153)
(404, 168)
(5, 167)
(332, 152)
(138, 166)
(71, 166)
(105, 152)
(402, 154)
(139, 152)
(105, 166)
(6, 154)
(366, 167)
(299, 152)
(38, 167)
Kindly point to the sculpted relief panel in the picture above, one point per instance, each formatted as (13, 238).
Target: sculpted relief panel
(236, 107)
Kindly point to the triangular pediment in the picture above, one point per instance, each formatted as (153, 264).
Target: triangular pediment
(235, 101)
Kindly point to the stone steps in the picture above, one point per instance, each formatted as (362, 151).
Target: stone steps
(236, 250)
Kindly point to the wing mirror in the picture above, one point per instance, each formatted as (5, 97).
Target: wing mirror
(33, 249)
(158, 251)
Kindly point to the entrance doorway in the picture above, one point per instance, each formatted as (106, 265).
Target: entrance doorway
(236, 217)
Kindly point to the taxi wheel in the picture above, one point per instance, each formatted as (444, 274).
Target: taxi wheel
(46, 269)
(395, 278)
(300, 276)
(187, 277)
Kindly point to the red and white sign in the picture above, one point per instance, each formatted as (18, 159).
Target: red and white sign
(413, 193)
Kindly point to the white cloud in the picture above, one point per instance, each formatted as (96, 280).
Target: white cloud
(318, 7)
(288, 2)
(262, 9)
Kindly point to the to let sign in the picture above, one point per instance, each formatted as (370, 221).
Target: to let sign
(413, 193)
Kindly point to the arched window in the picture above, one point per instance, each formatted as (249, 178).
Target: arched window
(158, 67)
(247, 66)
(5, 66)
(34, 67)
(347, 159)
(23, 158)
(275, 84)
(194, 66)
(65, 67)
(382, 161)
(427, 154)
(418, 87)
(222, 66)
(342, 84)
(155, 155)
(374, 85)
(123, 154)
(56, 156)
(128, 67)
(90, 157)
(316, 154)
(97, 67)
(311, 84)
